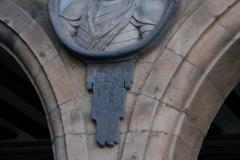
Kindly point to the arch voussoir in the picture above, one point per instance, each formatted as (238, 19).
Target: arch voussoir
(216, 55)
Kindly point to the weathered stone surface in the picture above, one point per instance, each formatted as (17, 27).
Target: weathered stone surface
(204, 51)
(85, 106)
(59, 148)
(143, 114)
(135, 146)
(140, 75)
(55, 120)
(155, 52)
(207, 101)
(78, 73)
(129, 107)
(161, 74)
(225, 74)
(191, 30)
(157, 146)
(100, 153)
(230, 20)
(33, 68)
(76, 147)
(46, 92)
(181, 85)
(181, 151)
(166, 119)
(17, 19)
(189, 134)
(218, 7)
(61, 84)
(72, 117)
(41, 45)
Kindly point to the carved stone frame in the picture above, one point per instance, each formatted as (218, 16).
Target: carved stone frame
(169, 10)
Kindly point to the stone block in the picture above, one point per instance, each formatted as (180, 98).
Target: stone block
(181, 151)
(128, 110)
(216, 8)
(191, 30)
(59, 148)
(225, 73)
(76, 147)
(161, 74)
(135, 146)
(157, 146)
(26, 57)
(18, 19)
(39, 42)
(189, 134)
(121, 146)
(45, 91)
(140, 75)
(85, 106)
(72, 117)
(230, 20)
(97, 153)
(151, 54)
(143, 114)
(181, 85)
(205, 50)
(55, 120)
(76, 69)
(60, 81)
(207, 100)
(166, 119)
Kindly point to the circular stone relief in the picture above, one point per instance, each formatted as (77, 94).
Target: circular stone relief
(109, 28)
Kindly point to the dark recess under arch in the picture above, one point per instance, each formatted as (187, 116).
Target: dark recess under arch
(24, 132)
(223, 139)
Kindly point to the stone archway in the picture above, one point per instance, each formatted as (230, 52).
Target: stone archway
(177, 91)
(40, 60)
(185, 87)
(39, 80)
(24, 130)
(206, 99)
(209, 72)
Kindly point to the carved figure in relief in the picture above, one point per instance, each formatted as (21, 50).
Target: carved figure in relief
(103, 25)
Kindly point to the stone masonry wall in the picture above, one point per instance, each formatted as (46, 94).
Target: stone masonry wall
(177, 90)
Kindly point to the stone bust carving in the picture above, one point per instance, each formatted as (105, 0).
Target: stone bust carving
(106, 25)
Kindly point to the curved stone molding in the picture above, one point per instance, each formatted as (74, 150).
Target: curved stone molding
(213, 54)
(26, 59)
(18, 32)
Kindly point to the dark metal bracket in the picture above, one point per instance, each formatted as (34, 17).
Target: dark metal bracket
(108, 82)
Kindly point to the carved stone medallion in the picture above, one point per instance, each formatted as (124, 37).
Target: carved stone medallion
(109, 34)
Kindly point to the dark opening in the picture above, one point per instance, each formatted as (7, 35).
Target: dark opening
(223, 139)
(24, 133)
